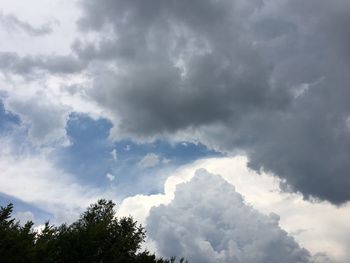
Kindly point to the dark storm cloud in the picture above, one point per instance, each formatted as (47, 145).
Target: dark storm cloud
(12, 23)
(180, 70)
(13, 63)
(269, 78)
(266, 77)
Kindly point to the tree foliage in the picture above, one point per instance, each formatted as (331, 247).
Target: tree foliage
(97, 236)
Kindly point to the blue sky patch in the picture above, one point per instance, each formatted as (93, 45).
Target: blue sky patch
(96, 161)
(40, 216)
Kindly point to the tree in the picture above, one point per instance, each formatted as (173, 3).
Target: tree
(97, 236)
(16, 241)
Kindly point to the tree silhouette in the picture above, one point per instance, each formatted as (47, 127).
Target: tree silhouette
(16, 241)
(97, 236)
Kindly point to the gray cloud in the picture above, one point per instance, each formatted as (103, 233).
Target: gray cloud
(44, 119)
(268, 78)
(265, 77)
(176, 70)
(12, 23)
(216, 225)
(11, 62)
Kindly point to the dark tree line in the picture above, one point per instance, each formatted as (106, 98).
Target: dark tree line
(97, 236)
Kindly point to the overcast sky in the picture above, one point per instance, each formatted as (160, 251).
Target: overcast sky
(128, 99)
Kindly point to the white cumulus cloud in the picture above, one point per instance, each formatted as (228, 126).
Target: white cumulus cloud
(320, 227)
(208, 221)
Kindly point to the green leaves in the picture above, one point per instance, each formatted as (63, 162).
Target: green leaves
(16, 242)
(97, 236)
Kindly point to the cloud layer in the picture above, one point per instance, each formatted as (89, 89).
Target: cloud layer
(268, 78)
(11, 23)
(265, 77)
(34, 179)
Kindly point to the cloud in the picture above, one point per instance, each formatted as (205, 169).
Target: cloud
(58, 15)
(114, 154)
(319, 227)
(152, 79)
(28, 66)
(245, 76)
(110, 177)
(44, 106)
(11, 23)
(45, 119)
(238, 76)
(33, 178)
(24, 217)
(216, 225)
(149, 160)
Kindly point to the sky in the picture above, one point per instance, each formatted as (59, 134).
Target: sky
(223, 126)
